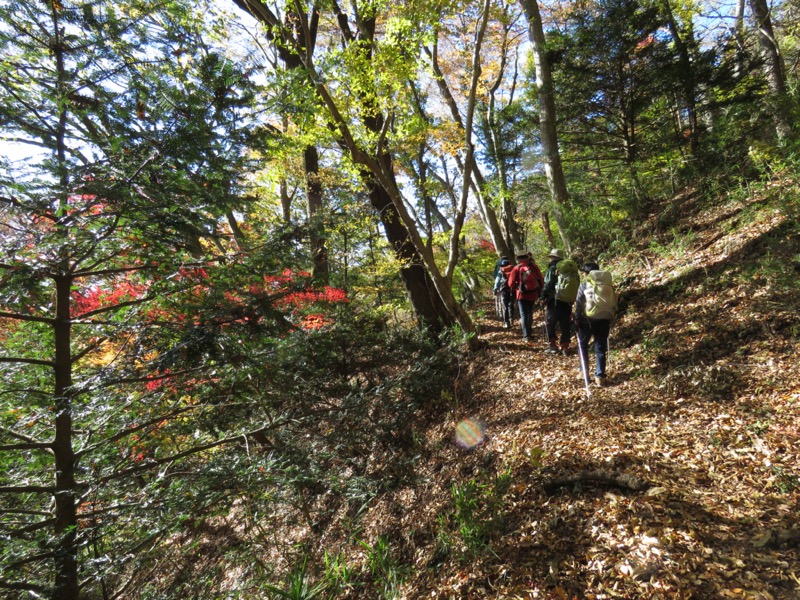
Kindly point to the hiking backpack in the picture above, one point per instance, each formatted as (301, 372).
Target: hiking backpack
(601, 298)
(568, 281)
(504, 289)
(528, 281)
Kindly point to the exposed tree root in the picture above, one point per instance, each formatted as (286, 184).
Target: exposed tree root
(624, 481)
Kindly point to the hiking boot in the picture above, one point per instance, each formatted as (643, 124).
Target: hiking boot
(508, 325)
(526, 339)
(552, 350)
(600, 381)
(565, 349)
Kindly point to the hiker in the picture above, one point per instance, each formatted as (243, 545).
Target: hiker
(560, 289)
(498, 264)
(526, 281)
(502, 288)
(595, 308)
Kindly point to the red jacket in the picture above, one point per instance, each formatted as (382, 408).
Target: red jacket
(515, 279)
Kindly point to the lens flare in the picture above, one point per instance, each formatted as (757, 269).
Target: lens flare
(470, 432)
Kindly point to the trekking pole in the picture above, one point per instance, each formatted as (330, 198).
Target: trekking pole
(544, 324)
(584, 370)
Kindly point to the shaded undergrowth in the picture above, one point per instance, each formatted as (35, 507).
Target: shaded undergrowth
(368, 496)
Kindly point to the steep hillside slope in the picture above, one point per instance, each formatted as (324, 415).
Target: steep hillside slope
(681, 479)
(703, 406)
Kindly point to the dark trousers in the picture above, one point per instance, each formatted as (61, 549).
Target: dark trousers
(557, 314)
(597, 329)
(507, 302)
(526, 317)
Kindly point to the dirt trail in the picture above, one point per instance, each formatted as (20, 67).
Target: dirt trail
(704, 406)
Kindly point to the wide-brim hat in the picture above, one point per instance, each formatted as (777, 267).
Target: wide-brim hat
(555, 253)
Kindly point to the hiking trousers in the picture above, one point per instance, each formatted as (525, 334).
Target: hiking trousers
(557, 315)
(507, 302)
(526, 317)
(599, 330)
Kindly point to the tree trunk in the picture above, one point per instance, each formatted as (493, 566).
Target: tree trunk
(547, 230)
(314, 204)
(487, 213)
(774, 68)
(67, 585)
(236, 231)
(547, 118)
(316, 226)
(688, 77)
(377, 161)
(432, 212)
(427, 304)
(381, 167)
(738, 35)
(508, 209)
(489, 218)
(286, 199)
(66, 522)
(508, 223)
(286, 202)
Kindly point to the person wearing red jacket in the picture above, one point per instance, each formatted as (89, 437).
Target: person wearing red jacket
(526, 281)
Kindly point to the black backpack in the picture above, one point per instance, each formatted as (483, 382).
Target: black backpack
(504, 289)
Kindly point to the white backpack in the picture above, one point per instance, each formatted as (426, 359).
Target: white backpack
(601, 298)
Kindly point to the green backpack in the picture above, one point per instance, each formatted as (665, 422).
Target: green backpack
(601, 297)
(568, 281)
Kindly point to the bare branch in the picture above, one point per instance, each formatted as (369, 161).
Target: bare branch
(195, 450)
(19, 317)
(118, 306)
(148, 379)
(29, 361)
(104, 272)
(21, 533)
(131, 430)
(27, 489)
(88, 349)
(29, 559)
(36, 446)
(19, 436)
(34, 513)
(24, 586)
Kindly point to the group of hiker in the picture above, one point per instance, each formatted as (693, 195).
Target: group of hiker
(589, 305)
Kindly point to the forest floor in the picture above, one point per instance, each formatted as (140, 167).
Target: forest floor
(681, 479)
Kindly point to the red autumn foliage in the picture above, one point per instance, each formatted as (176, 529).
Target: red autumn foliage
(295, 301)
(155, 384)
(192, 273)
(310, 296)
(85, 203)
(487, 245)
(312, 322)
(94, 297)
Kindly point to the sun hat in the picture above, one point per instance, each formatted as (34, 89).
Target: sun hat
(555, 253)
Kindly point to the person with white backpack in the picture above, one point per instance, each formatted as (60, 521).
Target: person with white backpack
(595, 309)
